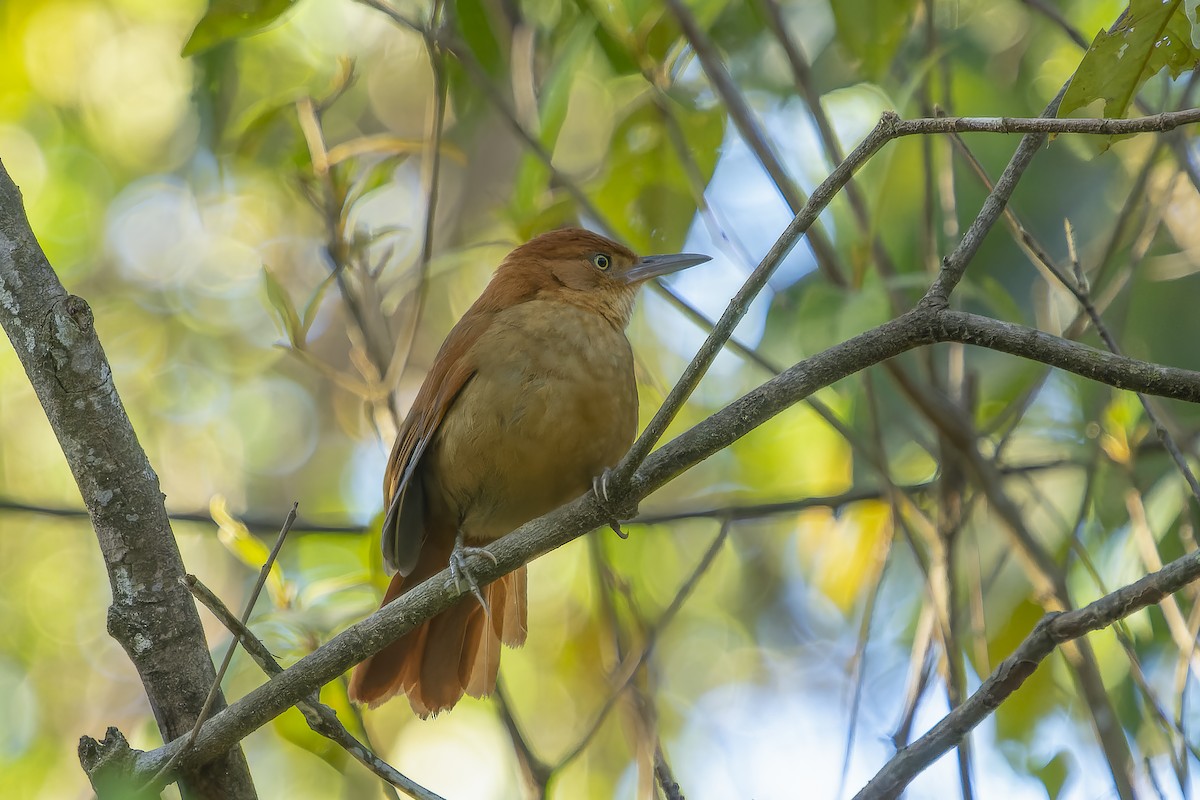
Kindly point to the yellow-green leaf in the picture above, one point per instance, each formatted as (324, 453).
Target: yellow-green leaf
(247, 548)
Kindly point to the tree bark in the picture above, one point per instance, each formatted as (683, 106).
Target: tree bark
(152, 614)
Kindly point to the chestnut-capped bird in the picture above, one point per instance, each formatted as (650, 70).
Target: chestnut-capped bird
(530, 398)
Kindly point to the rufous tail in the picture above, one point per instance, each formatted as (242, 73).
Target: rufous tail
(455, 652)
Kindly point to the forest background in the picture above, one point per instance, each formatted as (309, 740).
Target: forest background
(276, 210)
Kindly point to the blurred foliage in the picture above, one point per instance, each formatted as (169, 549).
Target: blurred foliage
(252, 227)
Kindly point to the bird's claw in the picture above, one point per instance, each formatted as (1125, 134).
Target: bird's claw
(600, 489)
(460, 570)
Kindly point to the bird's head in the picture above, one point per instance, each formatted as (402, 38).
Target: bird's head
(585, 269)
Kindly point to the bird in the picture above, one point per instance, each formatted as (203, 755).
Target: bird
(529, 400)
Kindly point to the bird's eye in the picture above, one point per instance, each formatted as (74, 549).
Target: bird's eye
(601, 261)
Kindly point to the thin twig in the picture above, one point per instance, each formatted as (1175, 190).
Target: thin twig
(632, 663)
(666, 778)
(215, 691)
(1053, 630)
(320, 717)
(889, 127)
(739, 110)
(536, 772)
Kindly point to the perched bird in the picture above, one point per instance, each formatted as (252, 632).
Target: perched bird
(529, 399)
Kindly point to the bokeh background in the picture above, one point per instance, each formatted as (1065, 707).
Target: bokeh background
(251, 223)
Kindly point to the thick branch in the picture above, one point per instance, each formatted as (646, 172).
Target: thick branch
(152, 615)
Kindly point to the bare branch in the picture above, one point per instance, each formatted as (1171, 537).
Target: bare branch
(320, 717)
(1053, 630)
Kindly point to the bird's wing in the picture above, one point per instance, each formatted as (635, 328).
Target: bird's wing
(404, 526)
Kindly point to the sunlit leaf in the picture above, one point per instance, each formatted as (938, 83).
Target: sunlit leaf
(1119, 435)
(1151, 36)
(248, 549)
(233, 19)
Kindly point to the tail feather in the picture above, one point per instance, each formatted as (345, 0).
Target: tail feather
(513, 623)
(481, 657)
(455, 652)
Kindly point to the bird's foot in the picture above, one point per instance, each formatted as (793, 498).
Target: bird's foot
(613, 514)
(460, 569)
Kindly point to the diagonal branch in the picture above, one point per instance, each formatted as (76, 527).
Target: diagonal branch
(1052, 631)
(320, 717)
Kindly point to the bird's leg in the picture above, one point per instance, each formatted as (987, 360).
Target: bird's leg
(600, 490)
(460, 568)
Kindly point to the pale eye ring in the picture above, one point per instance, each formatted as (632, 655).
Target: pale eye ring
(602, 262)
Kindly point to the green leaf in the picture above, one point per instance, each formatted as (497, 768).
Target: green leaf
(646, 193)
(1053, 774)
(1149, 37)
(533, 178)
(233, 19)
(279, 299)
(479, 33)
(1018, 717)
(261, 123)
(872, 30)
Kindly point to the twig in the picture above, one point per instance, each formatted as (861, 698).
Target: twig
(320, 717)
(1054, 629)
(802, 73)
(1079, 288)
(431, 167)
(215, 691)
(734, 512)
(632, 663)
(666, 779)
(536, 772)
(889, 127)
(920, 670)
(739, 110)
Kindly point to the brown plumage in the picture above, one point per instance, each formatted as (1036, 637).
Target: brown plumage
(530, 398)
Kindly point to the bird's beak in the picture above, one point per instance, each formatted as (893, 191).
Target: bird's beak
(654, 266)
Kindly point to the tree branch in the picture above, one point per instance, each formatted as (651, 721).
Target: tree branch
(1052, 631)
(152, 615)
